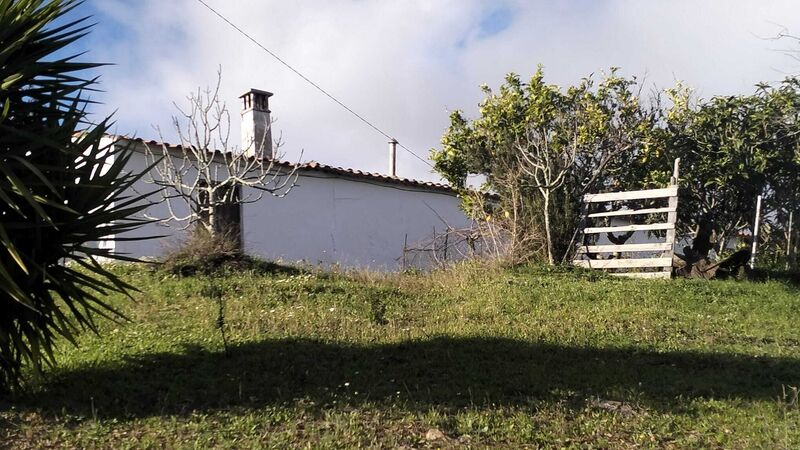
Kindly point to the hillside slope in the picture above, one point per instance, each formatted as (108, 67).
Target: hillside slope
(472, 356)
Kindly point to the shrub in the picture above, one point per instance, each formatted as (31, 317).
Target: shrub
(204, 253)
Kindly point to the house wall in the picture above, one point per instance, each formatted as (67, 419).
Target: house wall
(326, 219)
(332, 220)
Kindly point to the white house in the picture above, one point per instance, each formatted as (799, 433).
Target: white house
(332, 216)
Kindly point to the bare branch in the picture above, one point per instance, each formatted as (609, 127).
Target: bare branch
(204, 173)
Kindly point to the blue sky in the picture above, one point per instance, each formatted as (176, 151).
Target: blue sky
(405, 64)
(495, 20)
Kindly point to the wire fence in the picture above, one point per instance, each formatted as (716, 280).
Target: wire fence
(451, 245)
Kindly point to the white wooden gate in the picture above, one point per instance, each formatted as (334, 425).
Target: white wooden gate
(634, 267)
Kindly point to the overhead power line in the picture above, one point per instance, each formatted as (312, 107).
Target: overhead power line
(315, 85)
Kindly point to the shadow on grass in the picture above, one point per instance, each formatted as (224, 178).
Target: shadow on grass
(227, 265)
(442, 372)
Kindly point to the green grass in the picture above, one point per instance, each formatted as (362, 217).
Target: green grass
(491, 358)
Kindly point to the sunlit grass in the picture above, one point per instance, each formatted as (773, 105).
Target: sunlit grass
(488, 357)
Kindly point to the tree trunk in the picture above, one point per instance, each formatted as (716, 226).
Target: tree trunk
(722, 244)
(546, 195)
(212, 219)
(701, 244)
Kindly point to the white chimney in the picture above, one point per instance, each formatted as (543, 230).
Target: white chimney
(256, 124)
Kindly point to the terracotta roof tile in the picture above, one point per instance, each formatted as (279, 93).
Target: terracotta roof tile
(334, 170)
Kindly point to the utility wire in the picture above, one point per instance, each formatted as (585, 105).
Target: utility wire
(357, 115)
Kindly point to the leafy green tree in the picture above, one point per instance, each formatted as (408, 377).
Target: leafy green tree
(540, 148)
(783, 102)
(61, 190)
(732, 149)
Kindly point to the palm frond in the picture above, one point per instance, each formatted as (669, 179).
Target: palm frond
(62, 191)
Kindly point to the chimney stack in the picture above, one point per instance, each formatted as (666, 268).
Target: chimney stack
(393, 157)
(256, 124)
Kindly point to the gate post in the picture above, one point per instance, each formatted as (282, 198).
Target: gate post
(672, 216)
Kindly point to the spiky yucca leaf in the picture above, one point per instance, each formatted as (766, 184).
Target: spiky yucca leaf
(61, 191)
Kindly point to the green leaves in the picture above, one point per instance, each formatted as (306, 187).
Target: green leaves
(588, 133)
(733, 149)
(62, 191)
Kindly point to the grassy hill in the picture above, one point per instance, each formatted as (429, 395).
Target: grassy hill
(473, 356)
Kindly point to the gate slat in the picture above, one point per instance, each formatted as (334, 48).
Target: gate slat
(623, 263)
(647, 227)
(651, 275)
(632, 212)
(631, 195)
(654, 247)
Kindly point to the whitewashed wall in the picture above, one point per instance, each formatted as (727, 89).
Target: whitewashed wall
(333, 220)
(326, 219)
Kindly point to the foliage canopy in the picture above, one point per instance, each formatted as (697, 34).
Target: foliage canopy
(62, 190)
(540, 148)
(732, 149)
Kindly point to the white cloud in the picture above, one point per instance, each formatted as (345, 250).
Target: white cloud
(404, 63)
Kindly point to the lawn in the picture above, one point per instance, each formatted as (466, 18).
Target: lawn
(470, 357)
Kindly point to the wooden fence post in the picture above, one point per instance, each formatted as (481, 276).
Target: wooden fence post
(672, 216)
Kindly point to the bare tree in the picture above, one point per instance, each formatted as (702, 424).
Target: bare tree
(548, 166)
(205, 173)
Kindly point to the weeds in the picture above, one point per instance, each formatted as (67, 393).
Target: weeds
(378, 306)
(789, 398)
(214, 292)
(202, 252)
(216, 255)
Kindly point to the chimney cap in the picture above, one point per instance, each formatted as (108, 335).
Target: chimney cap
(256, 100)
(256, 92)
